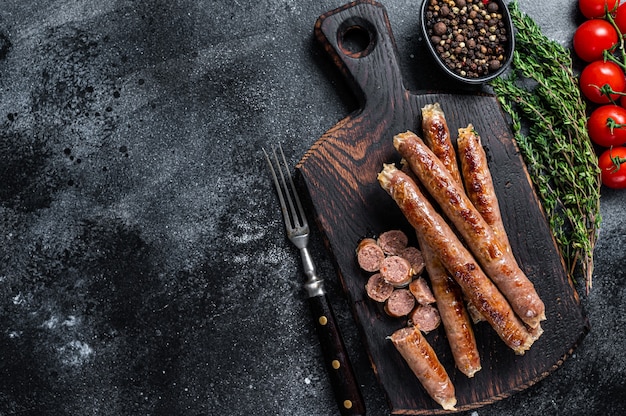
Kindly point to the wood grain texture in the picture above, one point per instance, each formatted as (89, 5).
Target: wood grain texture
(339, 172)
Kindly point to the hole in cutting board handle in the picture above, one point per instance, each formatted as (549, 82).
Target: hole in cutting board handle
(356, 37)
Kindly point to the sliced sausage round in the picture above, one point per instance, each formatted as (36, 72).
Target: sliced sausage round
(414, 256)
(369, 255)
(425, 317)
(396, 271)
(393, 242)
(400, 303)
(420, 289)
(377, 288)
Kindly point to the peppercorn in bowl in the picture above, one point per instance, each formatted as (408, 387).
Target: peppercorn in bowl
(471, 40)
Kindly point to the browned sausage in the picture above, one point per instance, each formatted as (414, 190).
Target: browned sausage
(437, 137)
(377, 288)
(396, 271)
(459, 262)
(369, 255)
(419, 288)
(479, 183)
(499, 264)
(400, 303)
(455, 318)
(425, 317)
(423, 361)
(454, 314)
(393, 242)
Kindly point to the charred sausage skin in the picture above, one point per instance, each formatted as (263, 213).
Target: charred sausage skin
(437, 137)
(478, 181)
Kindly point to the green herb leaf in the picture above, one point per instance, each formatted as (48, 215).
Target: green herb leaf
(548, 117)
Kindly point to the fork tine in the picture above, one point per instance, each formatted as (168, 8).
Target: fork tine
(277, 186)
(298, 215)
(291, 216)
(291, 219)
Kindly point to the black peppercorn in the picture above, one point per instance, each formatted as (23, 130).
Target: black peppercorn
(440, 28)
(494, 65)
(492, 7)
(469, 36)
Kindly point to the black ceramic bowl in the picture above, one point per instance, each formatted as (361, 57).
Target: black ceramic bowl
(427, 23)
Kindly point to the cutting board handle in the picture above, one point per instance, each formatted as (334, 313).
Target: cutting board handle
(358, 37)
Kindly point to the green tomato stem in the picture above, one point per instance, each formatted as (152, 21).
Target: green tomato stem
(612, 124)
(617, 161)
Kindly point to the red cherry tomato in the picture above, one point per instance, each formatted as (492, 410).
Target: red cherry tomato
(599, 76)
(592, 38)
(620, 18)
(612, 165)
(607, 125)
(592, 9)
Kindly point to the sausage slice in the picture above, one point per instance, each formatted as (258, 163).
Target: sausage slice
(396, 271)
(400, 303)
(377, 288)
(425, 317)
(369, 255)
(393, 242)
(414, 256)
(419, 288)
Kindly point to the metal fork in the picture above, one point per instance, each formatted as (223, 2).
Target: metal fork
(342, 378)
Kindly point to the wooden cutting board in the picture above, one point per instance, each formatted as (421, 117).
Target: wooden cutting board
(339, 172)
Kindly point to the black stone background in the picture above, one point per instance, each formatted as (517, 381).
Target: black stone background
(143, 264)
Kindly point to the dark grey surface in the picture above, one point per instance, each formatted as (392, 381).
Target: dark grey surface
(143, 264)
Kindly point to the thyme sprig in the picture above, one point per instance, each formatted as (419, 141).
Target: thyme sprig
(548, 116)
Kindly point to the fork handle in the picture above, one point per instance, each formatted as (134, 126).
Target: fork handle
(342, 378)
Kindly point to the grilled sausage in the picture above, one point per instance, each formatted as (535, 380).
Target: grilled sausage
(437, 137)
(479, 183)
(423, 361)
(454, 316)
(456, 258)
(499, 264)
